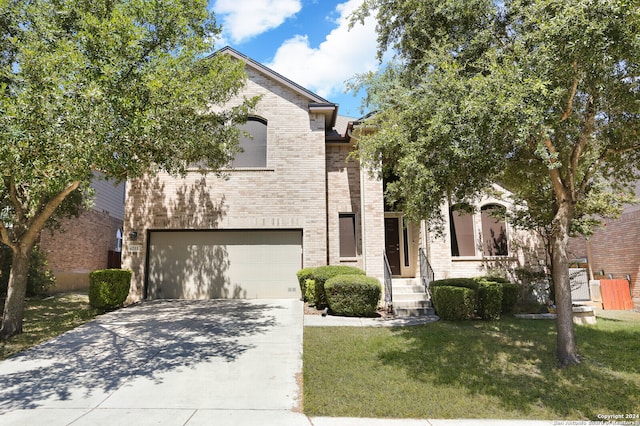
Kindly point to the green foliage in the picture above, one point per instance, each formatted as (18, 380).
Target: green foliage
(453, 303)
(109, 288)
(540, 96)
(492, 296)
(489, 300)
(322, 274)
(510, 294)
(310, 292)
(118, 87)
(353, 295)
(40, 279)
(456, 282)
(303, 275)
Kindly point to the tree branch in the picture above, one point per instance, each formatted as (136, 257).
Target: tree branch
(574, 89)
(4, 236)
(38, 222)
(13, 196)
(576, 153)
(554, 174)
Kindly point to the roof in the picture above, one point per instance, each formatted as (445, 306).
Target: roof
(317, 104)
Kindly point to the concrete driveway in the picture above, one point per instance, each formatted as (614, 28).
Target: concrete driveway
(164, 362)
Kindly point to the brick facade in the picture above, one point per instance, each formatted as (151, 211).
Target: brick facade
(525, 250)
(348, 189)
(81, 246)
(288, 194)
(615, 249)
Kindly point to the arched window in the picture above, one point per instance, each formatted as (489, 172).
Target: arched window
(494, 230)
(253, 151)
(461, 228)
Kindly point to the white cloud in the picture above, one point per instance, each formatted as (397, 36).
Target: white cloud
(338, 58)
(243, 19)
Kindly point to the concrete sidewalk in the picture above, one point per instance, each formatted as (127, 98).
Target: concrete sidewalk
(336, 321)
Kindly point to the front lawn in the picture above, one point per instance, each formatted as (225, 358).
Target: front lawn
(503, 369)
(47, 318)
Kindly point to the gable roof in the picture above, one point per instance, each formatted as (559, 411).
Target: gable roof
(317, 104)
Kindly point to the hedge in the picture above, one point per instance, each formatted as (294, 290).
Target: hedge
(322, 274)
(109, 288)
(456, 282)
(310, 292)
(489, 300)
(303, 275)
(493, 296)
(510, 294)
(453, 303)
(353, 295)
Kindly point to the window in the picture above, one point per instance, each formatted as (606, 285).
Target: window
(461, 228)
(494, 230)
(347, 235)
(254, 148)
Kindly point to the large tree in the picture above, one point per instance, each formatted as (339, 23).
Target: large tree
(121, 87)
(540, 95)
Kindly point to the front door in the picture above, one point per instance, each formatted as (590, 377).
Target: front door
(392, 243)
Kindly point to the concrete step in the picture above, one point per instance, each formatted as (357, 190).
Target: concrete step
(411, 303)
(413, 312)
(397, 297)
(408, 288)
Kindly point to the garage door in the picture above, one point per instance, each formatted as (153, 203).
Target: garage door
(224, 264)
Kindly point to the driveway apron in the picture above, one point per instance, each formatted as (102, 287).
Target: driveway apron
(164, 362)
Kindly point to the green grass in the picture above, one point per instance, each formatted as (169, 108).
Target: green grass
(47, 318)
(503, 369)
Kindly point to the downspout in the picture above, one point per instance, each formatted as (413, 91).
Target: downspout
(363, 209)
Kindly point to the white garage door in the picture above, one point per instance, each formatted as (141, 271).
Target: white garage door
(224, 264)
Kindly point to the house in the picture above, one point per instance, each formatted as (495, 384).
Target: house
(294, 198)
(89, 242)
(613, 251)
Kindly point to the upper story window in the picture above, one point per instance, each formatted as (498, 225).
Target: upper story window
(253, 151)
(461, 228)
(494, 230)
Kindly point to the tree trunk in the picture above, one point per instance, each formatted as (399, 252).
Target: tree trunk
(14, 305)
(566, 341)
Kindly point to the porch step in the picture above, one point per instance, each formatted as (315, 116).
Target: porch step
(413, 312)
(410, 298)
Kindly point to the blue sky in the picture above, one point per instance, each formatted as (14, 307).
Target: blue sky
(307, 41)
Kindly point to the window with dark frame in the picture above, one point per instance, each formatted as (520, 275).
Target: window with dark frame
(461, 229)
(253, 146)
(348, 241)
(494, 230)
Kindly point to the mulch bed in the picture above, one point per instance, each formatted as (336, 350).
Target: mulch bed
(311, 310)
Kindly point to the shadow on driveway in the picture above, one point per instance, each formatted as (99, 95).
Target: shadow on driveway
(145, 340)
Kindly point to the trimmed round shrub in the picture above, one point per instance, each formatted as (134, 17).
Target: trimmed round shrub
(109, 288)
(456, 282)
(310, 291)
(489, 300)
(303, 275)
(510, 294)
(453, 303)
(353, 295)
(322, 274)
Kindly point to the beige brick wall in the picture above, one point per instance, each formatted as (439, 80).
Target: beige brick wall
(288, 194)
(347, 189)
(524, 248)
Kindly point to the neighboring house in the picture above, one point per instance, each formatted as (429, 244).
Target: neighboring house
(88, 242)
(613, 251)
(294, 198)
